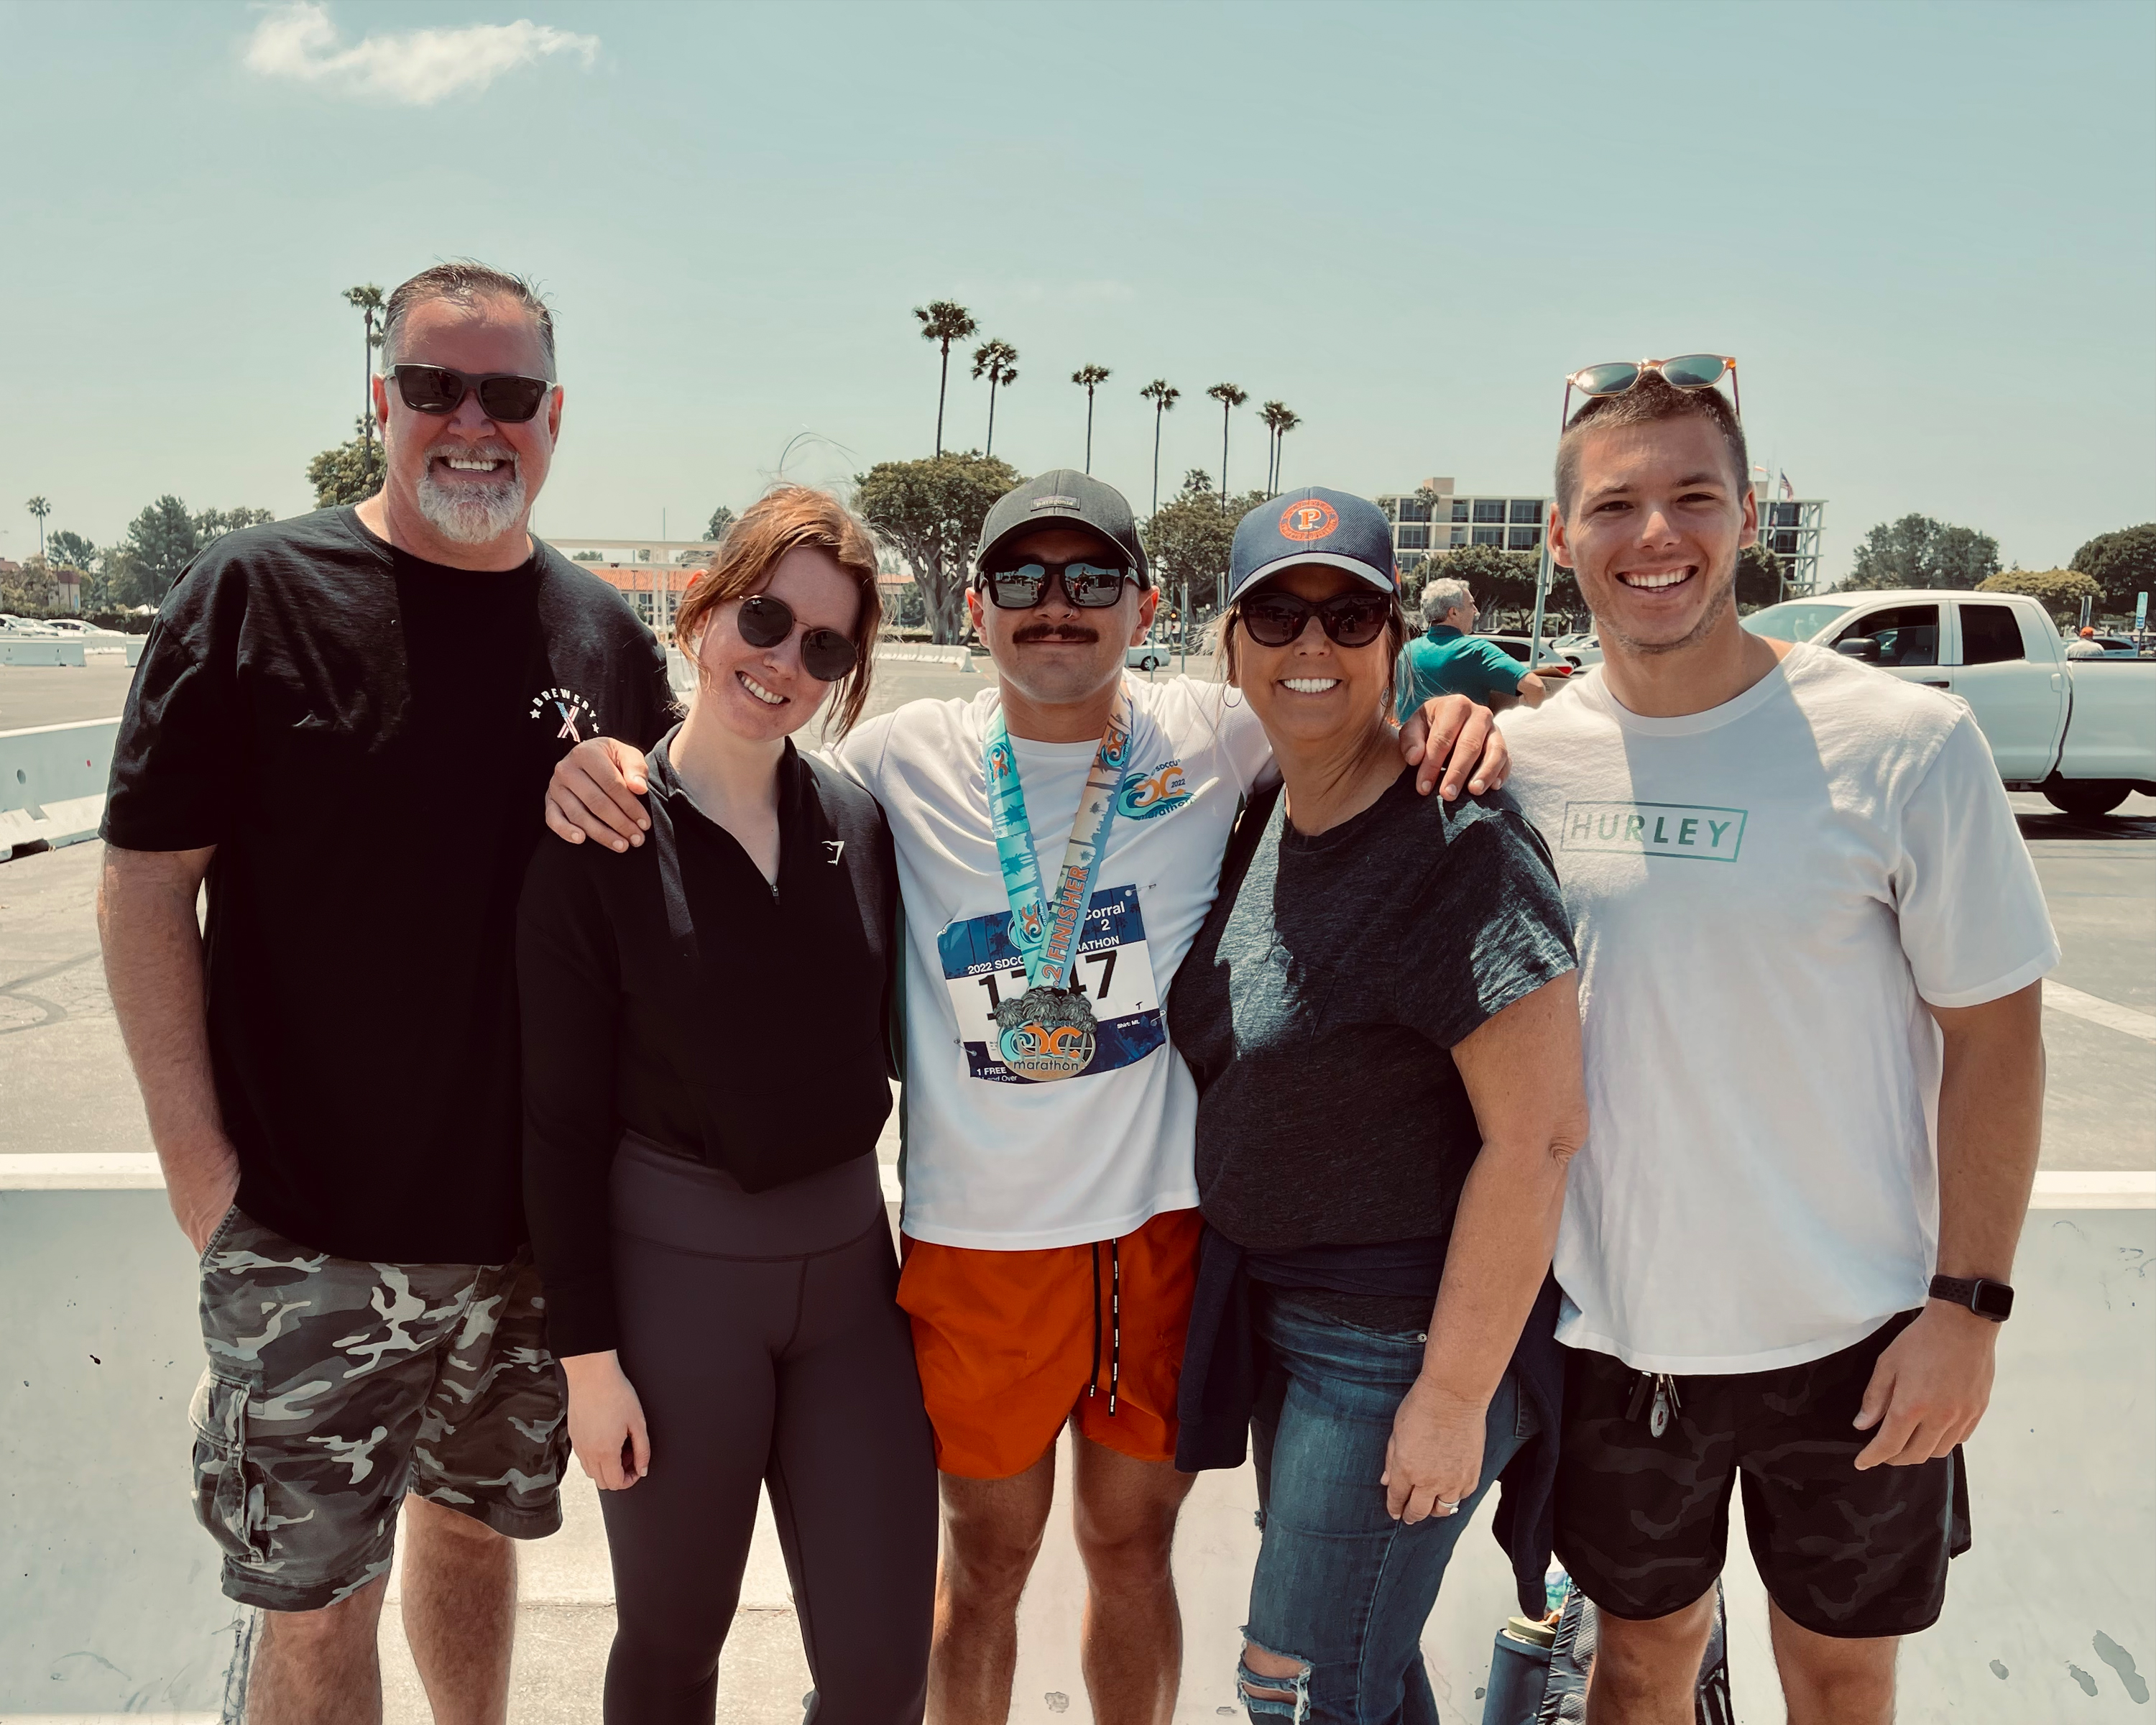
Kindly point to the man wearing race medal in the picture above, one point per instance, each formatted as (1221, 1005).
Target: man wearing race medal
(1050, 1227)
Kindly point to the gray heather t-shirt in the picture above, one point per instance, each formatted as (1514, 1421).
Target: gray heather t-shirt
(1317, 1006)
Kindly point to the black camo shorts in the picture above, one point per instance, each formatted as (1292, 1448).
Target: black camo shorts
(334, 1387)
(1643, 1522)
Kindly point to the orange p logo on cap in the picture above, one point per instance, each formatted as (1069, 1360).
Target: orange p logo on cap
(1312, 518)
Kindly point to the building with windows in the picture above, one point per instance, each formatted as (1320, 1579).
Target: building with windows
(1437, 518)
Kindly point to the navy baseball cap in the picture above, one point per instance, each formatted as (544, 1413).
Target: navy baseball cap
(1064, 495)
(1313, 526)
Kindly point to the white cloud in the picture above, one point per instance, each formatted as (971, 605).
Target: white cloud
(414, 67)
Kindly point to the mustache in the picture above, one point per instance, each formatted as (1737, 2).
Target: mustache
(1056, 632)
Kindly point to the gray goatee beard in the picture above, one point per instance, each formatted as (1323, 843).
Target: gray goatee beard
(468, 514)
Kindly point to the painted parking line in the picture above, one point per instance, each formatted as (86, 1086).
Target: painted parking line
(2108, 1013)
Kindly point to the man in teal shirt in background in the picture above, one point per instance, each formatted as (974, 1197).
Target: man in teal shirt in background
(1450, 659)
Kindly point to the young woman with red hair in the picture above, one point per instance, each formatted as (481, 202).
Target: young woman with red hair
(706, 1068)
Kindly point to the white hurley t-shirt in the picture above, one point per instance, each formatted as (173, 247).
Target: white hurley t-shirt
(992, 1161)
(1765, 895)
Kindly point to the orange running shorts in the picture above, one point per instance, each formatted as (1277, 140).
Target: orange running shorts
(1013, 1344)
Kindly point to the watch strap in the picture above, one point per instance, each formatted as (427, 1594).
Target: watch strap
(1993, 1300)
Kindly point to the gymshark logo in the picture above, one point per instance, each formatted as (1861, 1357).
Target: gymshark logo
(1696, 830)
(837, 847)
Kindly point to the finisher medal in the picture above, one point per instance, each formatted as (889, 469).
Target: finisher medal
(1048, 1032)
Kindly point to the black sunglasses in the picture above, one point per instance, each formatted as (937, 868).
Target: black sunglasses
(826, 655)
(504, 396)
(1275, 618)
(1089, 586)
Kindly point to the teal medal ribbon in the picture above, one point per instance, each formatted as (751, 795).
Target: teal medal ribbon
(1048, 1032)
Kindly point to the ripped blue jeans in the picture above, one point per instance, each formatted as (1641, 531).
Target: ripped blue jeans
(1341, 1587)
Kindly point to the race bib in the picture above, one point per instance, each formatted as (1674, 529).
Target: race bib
(1114, 971)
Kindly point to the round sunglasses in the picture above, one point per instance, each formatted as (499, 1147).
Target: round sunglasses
(826, 655)
(1089, 586)
(1687, 371)
(1276, 618)
(505, 397)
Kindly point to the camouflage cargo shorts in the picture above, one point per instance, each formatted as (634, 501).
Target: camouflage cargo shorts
(334, 1387)
(1643, 1522)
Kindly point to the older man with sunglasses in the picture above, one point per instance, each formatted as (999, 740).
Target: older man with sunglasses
(331, 1075)
(1811, 938)
(1059, 839)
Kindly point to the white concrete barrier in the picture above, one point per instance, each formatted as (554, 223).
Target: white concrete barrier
(37, 649)
(131, 647)
(960, 658)
(110, 1603)
(52, 782)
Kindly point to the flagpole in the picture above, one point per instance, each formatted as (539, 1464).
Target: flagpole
(1541, 595)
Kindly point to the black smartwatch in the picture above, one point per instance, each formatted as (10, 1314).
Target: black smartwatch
(1993, 1300)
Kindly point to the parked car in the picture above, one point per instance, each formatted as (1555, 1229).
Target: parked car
(2082, 731)
(1149, 656)
(1552, 663)
(2100, 646)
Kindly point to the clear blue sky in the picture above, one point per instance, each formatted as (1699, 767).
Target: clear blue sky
(1929, 232)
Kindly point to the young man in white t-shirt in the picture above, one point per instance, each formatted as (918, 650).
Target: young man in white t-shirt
(1811, 938)
(1050, 1229)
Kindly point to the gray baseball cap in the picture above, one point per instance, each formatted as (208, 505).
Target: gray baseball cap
(1063, 495)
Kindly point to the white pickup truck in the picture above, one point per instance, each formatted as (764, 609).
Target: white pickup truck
(2082, 731)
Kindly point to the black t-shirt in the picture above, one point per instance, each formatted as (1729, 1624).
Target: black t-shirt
(1317, 1005)
(740, 1025)
(366, 738)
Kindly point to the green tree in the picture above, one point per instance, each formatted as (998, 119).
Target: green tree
(2059, 591)
(213, 524)
(68, 549)
(368, 302)
(930, 512)
(1090, 379)
(350, 473)
(38, 507)
(997, 361)
(722, 519)
(944, 321)
(2122, 564)
(29, 589)
(1502, 581)
(1920, 553)
(1758, 579)
(1188, 538)
(1230, 397)
(161, 542)
(1163, 396)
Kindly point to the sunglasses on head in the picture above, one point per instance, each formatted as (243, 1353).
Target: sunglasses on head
(505, 397)
(1688, 371)
(826, 655)
(1273, 617)
(1088, 585)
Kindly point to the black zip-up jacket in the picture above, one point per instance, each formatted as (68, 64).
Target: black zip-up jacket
(672, 991)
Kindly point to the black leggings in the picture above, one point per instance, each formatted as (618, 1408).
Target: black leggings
(762, 1338)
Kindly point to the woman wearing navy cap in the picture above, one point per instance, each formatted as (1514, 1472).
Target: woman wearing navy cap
(1381, 1017)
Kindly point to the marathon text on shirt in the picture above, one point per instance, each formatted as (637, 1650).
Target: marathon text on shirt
(1685, 829)
(579, 718)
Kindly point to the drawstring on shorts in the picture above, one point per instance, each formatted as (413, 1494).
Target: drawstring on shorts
(1115, 1322)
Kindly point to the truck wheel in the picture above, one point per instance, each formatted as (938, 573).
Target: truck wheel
(2088, 798)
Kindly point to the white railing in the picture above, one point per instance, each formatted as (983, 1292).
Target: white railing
(52, 781)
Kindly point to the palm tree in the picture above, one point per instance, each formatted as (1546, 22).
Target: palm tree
(38, 507)
(1230, 397)
(1091, 378)
(944, 321)
(1279, 419)
(368, 302)
(1163, 395)
(997, 361)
